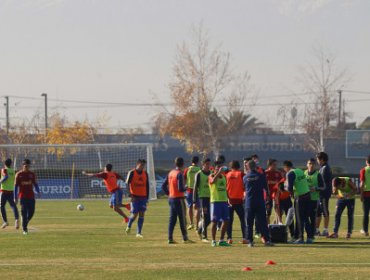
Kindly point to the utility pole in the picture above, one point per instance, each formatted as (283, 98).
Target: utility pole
(46, 112)
(7, 114)
(46, 126)
(340, 108)
(322, 147)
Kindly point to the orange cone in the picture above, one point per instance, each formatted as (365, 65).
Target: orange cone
(247, 268)
(270, 263)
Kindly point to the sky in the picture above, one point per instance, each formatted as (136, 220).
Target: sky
(121, 51)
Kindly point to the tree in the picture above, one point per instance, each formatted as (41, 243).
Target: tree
(201, 88)
(63, 131)
(321, 79)
(239, 121)
(129, 134)
(25, 132)
(21, 132)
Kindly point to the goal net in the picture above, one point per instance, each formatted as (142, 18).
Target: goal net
(59, 167)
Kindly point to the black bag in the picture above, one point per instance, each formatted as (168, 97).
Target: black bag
(278, 233)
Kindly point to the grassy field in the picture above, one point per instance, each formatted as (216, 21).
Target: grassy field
(68, 244)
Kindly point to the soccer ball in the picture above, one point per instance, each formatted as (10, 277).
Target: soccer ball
(80, 207)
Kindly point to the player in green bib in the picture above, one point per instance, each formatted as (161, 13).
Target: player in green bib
(345, 190)
(316, 184)
(365, 195)
(201, 192)
(219, 205)
(297, 185)
(189, 176)
(7, 193)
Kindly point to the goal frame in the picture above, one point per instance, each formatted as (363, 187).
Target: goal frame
(149, 157)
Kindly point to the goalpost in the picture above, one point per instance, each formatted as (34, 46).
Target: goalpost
(58, 168)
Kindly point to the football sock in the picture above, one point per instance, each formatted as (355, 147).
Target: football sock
(140, 223)
(130, 221)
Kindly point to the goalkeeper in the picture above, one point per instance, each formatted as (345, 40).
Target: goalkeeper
(110, 179)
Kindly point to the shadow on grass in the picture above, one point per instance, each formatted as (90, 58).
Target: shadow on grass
(328, 244)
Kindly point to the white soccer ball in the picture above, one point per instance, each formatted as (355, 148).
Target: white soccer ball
(80, 207)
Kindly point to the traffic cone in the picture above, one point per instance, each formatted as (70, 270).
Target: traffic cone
(270, 263)
(247, 268)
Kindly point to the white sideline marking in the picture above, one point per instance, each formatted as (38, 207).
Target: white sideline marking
(174, 263)
(105, 216)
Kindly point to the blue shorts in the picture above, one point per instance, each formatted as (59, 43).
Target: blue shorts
(189, 199)
(219, 212)
(116, 198)
(138, 206)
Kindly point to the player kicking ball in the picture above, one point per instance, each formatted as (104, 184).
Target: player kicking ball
(219, 204)
(25, 181)
(138, 183)
(110, 179)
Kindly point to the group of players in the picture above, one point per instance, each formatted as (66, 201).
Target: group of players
(138, 184)
(18, 186)
(21, 186)
(213, 192)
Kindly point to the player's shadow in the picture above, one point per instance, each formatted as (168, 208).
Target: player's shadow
(338, 244)
(343, 244)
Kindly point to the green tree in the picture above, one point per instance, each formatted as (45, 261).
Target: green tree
(239, 121)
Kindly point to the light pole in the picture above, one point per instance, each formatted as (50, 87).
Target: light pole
(46, 112)
(46, 126)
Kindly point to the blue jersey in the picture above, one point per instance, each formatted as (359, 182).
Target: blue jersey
(255, 185)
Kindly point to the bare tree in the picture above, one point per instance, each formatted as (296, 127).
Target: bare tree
(202, 87)
(321, 79)
(26, 131)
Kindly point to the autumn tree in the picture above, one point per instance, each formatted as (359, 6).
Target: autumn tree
(62, 131)
(129, 134)
(201, 88)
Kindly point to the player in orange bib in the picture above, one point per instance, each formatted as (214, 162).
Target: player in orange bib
(110, 179)
(236, 195)
(174, 187)
(138, 183)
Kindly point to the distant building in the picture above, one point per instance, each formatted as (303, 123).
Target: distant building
(278, 146)
(365, 124)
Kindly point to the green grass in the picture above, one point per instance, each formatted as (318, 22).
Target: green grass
(69, 244)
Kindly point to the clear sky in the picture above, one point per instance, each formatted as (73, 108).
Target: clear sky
(122, 51)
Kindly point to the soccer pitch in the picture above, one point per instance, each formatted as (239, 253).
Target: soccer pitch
(68, 244)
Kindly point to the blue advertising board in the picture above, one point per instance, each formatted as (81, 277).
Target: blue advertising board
(58, 188)
(357, 143)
